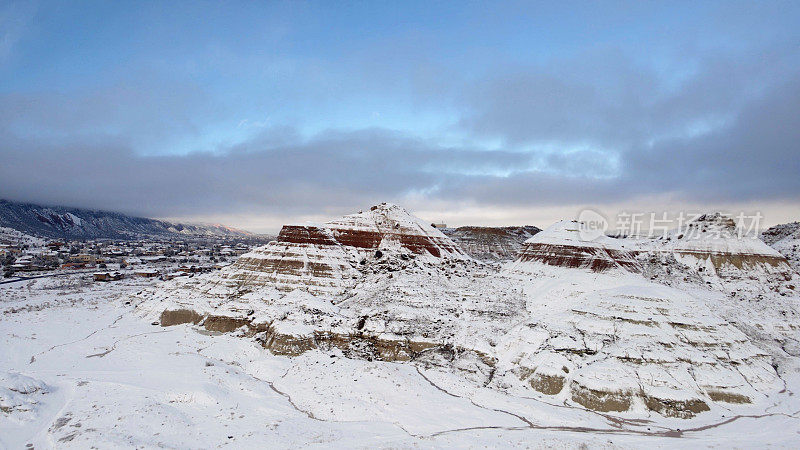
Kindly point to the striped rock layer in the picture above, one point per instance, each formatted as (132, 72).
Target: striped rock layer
(714, 244)
(572, 318)
(711, 245)
(325, 258)
(563, 245)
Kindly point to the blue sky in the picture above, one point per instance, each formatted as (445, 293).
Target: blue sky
(520, 111)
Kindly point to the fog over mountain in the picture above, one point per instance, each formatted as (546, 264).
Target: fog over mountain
(58, 222)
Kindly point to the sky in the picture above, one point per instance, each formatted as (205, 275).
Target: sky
(255, 114)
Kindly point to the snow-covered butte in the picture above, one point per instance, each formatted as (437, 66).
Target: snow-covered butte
(589, 323)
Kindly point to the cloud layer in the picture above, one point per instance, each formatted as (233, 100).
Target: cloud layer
(599, 126)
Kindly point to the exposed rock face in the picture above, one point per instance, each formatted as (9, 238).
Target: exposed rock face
(562, 245)
(392, 226)
(75, 223)
(611, 341)
(491, 243)
(571, 320)
(785, 239)
(286, 265)
(327, 258)
(619, 341)
(712, 244)
(710, 253)
(781, 232)
(179, 316)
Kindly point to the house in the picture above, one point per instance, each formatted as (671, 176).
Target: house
(83, 258)
(146, 273)
(170, 276)
(114, 251)
(48, 256)
(152, 259)
(107, 276)
(24, 264)
(55, 245)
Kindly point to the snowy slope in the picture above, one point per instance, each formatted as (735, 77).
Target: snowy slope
(74, 223)
(11, 236)
(563, 245)
(80, 368)
(785, 239)
(571, 321)
(330, 257)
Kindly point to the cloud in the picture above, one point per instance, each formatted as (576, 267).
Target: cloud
(331, 170)
(598, 128)
(144, 112)
(755, 157)
(277, 172)
(614, 130)
(607, 99)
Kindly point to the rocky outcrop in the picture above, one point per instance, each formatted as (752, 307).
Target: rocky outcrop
(713, 244)
(74, 223)
(326, 258)
(491, 243)
(572, 320)
(632, 343)
(600, 399)
(563, 245)
(392, 226)
(785, 239)
(213, 323)
(289, 339)
(179, 316)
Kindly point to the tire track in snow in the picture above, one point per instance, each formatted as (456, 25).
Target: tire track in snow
(677, 433)
(114, 345)
(33, 358)
(288, 397)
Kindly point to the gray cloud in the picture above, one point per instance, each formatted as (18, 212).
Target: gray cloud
(333, 169)
(755, 157)
(607, 100)
(142, 112)
(728, 131)
(594, 129)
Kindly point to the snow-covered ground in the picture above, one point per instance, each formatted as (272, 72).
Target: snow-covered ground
(9, 235)
(785, 238)
(81, 367)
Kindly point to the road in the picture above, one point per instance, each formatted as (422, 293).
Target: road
(47, 275)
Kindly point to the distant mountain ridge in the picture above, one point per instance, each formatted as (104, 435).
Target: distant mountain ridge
(56, 222)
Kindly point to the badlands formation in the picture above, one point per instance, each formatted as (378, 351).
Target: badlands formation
(785, 238)
(675, 326)
(491, 244)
